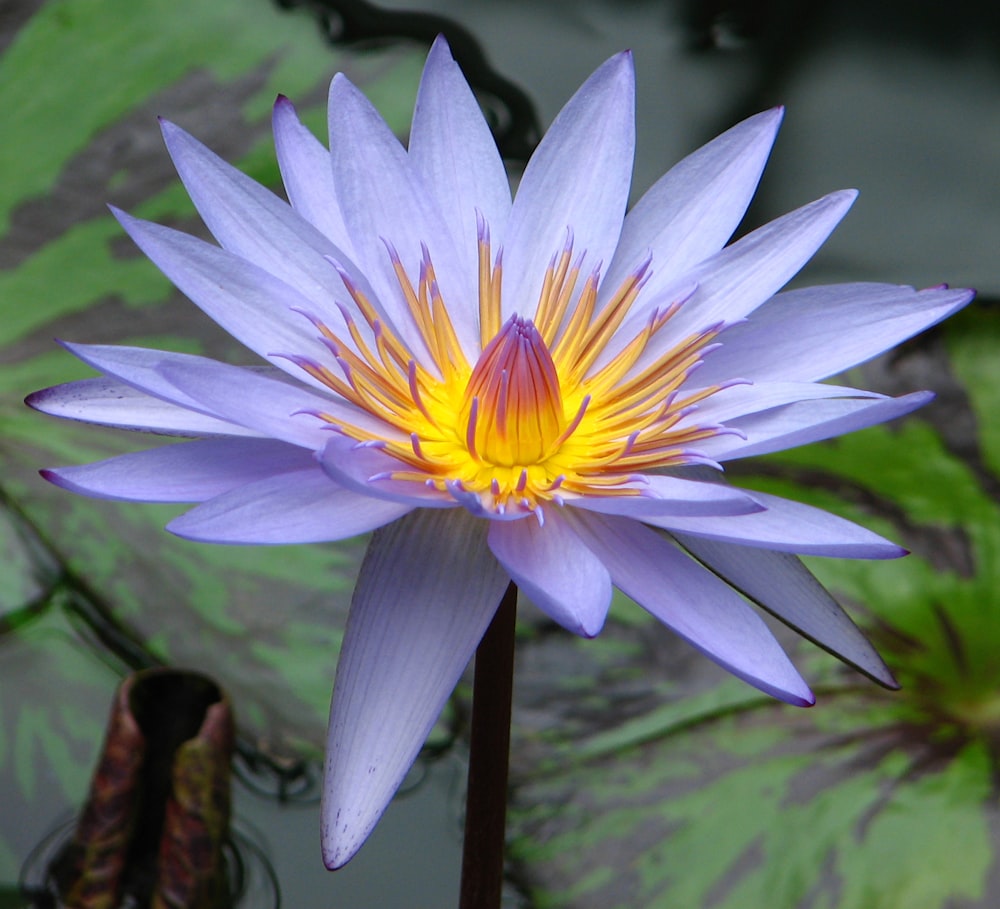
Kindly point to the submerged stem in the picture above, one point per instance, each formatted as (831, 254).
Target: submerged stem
(486, 799)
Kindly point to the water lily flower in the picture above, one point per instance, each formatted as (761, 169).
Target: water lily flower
(541, 390)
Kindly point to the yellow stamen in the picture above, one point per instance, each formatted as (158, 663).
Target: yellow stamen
(532, 418)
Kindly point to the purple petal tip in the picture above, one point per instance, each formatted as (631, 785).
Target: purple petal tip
(55, 478)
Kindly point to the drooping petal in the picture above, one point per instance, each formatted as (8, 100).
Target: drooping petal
(367, 470)
(110, 402)
(781, 584)
(809, 421)
(308, 176)
(578, 180)
(690, 212)
(186, 472)
(384, 200)
(663, 495)
(553, 567)
(254, 224)
(271, 407)
(815, 332)
(427, 591)
(787, 526)
(304, 506)
(694, 603)
(452, 148)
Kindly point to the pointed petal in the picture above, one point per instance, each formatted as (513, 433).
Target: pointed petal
(815, 332)
(186, 472)
(734, 282)
(781, 584)
(788, 526)
(251, 304)
(307, 174)
(695, 604)
(690, 212)
(267, 405)
(452, 148)
(276, 409)
(110, 402)
(427, 592)
(254, 224)
(809, 421)
(663, 495)
(383, 198)
(551, 565)
(143, 369)
(367, 470)
(732, 403)
(577, 179)
(305, 506)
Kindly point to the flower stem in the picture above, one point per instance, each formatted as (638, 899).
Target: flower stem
(486, 799)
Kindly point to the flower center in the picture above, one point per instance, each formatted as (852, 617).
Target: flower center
(547, 409)
(513, 407)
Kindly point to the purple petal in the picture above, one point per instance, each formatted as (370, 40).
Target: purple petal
(254, 224)
(577, 179)
(255, 307)
(805, 422)
(427, 591)
(663, 495)
(186, 472)
(815, 332)
(695, 604)
(308, 175)
(788, 526)
(384, 199)
(730, 404)
(735, 281)
(143, 369)
(301, 507)
(269, 406)
(552, 566)
(364, 469)
(264, 405)
(690, 212)
(782, 585)
(110, 402)
(452, 148)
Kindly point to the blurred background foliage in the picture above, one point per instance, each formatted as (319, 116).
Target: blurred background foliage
(643, 777)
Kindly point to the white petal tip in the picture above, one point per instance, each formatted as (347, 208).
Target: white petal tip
(338, 848)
